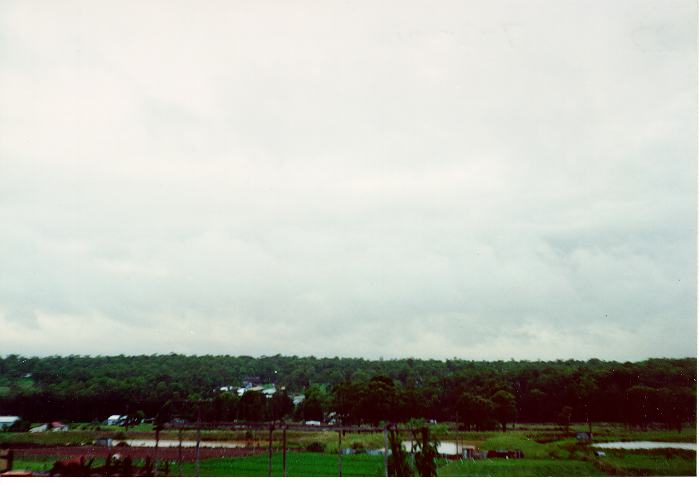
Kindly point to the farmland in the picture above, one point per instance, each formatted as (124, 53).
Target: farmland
(548, 451)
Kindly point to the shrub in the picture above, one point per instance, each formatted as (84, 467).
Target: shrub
(358, 447)
(20, 426)
(315, 446)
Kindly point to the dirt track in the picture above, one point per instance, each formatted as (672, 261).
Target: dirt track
(170, 454)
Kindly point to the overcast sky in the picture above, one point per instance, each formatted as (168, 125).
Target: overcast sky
(482, 179)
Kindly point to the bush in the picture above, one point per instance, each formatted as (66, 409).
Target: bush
(315, 447)
(20, 426)
(358, 447)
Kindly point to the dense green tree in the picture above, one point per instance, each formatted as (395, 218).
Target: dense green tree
(475, 411)
(281, 405)
(398, 464)
(252, 406)
(80, 388)
(564, 417)
(504, 410)
(316, 403)
(426, 453)
(380, 401)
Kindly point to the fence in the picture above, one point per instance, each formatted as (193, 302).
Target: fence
(276, 432)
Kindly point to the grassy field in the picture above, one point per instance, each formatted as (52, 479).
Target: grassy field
(298, 465)
(548, 451)
(519, 468)
(649, 463)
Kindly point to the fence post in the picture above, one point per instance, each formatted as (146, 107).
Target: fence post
(385, 451)
(198, 436)
(269, 468)
(339, 452)
(156, 461)
(179, 452)
(284, 449)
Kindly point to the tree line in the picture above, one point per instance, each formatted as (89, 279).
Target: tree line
(477, 394)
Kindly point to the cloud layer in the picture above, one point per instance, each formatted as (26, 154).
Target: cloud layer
(483, 180)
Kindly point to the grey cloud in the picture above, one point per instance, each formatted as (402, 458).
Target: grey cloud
(489, 180)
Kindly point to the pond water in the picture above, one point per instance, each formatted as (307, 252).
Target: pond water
(646, 445)
(185, 444)
(444, 447)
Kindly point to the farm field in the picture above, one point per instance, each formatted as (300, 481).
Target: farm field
(302, 464)
(548, 451)
(520, 468)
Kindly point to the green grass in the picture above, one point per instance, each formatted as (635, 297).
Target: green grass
(34, 463)
(43, 463)
(516, 441)
(548, 451)
(298, 465)
(667, 462)
(49, 438)
(519, 468)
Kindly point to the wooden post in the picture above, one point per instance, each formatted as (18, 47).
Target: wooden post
(284, 449)
(385, 451)
(198, 437)
(269, 467)
(339, 453)
(155, 453)
(179, 452)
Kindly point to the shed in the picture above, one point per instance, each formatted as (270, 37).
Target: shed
(116, 420)
(39, 429)
(7, 421)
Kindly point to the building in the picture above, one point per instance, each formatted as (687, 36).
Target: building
(39, 429)
(269, 390)
(58, 426)
(8, 421)
(116, 420)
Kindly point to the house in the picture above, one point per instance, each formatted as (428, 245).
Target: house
(53, 426)
(468, 452)
(269, 390)
(8, 421)
(297, 399)
(507, 454)
(584, 436)
(116, 420)
(251, 381)
(103, 442)
(58, 426)
(39, 429)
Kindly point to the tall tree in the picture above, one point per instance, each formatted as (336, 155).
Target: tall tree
(505, 410)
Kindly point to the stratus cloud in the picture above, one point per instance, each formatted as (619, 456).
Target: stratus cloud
(484, 181)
